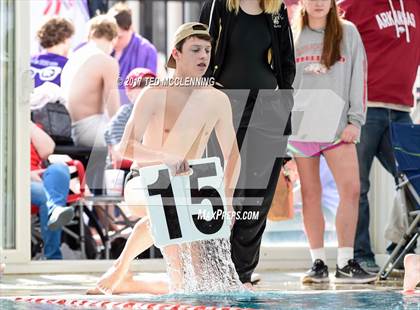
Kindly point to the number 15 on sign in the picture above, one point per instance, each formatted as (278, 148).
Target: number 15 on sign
(175, 203)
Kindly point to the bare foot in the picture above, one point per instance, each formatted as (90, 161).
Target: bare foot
(129, 285)
(132, 286)
(2, 266)
(412, 271)
(94, 291)
(110, 280)
(97, 291)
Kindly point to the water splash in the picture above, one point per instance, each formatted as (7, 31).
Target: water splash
(202, 266)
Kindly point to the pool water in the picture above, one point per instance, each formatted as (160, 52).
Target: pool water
(304, 300)
(265, 300)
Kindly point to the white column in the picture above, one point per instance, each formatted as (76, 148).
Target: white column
(174, 18)
(134, 5)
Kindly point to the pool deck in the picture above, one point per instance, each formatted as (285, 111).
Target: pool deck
(277, 290)
(75, 285)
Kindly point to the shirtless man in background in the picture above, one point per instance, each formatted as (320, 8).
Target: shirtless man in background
(172, 125)
(90, 83)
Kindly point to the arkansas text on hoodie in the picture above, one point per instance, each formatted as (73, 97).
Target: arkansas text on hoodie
(389, 30)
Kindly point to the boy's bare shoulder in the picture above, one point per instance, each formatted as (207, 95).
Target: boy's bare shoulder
(215, 96)
(109, 61)
(104, 63)
(151, 96)
(153, 91)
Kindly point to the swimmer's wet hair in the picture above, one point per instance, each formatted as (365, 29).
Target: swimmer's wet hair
(103, 26)
(122, 14)
(55, 31)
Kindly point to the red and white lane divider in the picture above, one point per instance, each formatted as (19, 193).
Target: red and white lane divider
(103, 304)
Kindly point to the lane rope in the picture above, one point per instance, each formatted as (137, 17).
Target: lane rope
(107, 304)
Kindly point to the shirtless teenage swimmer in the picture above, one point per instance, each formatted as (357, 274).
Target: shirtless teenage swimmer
(90, 83)
(174, 124)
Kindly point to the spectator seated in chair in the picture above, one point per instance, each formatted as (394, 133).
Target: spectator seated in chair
(49, 190)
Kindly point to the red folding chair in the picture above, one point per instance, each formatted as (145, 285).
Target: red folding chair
(75, 199)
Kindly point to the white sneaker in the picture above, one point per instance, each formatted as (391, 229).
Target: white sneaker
(59, 217)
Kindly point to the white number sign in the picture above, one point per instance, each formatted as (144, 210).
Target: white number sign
(175, 203)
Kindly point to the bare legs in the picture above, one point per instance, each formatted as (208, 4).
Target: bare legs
(344, 166)
(313, 219)
(140, 240)
(343, 163)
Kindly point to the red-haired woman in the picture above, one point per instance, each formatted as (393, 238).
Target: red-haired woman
(330, 56)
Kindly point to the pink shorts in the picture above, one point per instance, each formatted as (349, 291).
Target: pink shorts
(311, 149)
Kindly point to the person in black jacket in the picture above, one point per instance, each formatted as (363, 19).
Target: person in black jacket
(253, 51)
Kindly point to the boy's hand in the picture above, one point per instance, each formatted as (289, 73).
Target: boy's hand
(176, 165)
(115, 155)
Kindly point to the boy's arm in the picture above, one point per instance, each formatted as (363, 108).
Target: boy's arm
(130, 146)
(111, 96)
(227, 140)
